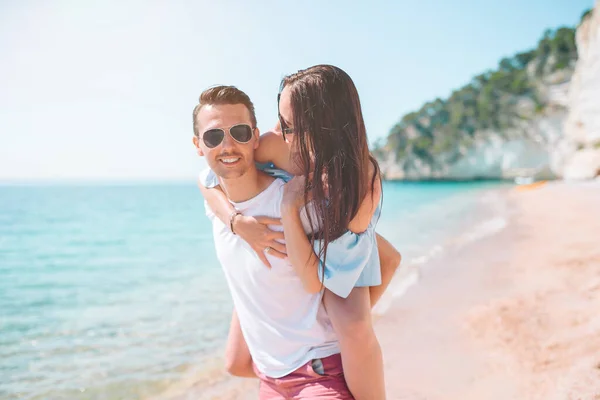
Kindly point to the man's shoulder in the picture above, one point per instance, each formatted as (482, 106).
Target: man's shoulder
(267, 202)
(274, 191)
(277, 183)
(208, 178)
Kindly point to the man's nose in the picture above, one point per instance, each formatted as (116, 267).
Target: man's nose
(228, 141)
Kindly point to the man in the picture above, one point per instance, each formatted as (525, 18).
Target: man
(290, 338)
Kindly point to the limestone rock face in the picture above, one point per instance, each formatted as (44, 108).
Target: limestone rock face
(553, 131)
(577, 156)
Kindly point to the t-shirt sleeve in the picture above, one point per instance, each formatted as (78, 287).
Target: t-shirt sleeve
(272, 170)
(208, 178)
(352, 260)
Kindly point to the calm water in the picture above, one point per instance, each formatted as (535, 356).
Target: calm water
(114, 291)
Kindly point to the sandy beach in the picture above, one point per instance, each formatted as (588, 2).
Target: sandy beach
(515, 315)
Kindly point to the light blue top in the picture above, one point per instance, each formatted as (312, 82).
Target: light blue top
(352, 259)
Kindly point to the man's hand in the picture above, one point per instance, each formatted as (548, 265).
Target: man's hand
(255, 231)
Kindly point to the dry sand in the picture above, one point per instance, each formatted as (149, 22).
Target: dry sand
(513, 316)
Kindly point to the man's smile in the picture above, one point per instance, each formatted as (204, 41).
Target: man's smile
(230, 160)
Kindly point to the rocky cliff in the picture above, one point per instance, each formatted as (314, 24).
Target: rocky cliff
(536, 115)
(577, 155)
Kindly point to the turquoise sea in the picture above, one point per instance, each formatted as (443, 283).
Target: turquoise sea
(113, 291)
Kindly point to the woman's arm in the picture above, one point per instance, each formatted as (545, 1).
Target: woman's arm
(300, 252)
(389, 257)
(273, 149)
(218, 203)
(362, 219)
(306, 263)
(253, 230)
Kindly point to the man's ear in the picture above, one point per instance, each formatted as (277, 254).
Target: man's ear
(197, 144)
(257, 137)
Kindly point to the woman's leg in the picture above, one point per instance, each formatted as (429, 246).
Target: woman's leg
(361, 355)
(238, 361)
(389, 259)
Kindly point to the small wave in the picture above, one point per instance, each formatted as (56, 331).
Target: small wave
(406, 277)
(482, 230)
(408, 274)
(435, 251)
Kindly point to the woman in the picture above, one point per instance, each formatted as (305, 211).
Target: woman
(323, 141)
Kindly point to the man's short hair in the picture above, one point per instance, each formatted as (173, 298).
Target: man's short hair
(219, 95)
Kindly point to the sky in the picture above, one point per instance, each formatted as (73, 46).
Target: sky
(105, 90)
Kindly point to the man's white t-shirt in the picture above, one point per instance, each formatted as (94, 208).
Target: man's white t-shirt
(284, 326)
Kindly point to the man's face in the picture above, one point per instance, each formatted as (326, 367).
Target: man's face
(230, 159)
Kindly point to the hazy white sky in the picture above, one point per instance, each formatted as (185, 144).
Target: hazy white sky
(105, 90)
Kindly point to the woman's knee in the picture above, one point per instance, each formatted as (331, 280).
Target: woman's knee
(389, 257)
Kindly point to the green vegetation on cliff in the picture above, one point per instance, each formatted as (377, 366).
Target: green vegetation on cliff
(586, 13)
(492, 101)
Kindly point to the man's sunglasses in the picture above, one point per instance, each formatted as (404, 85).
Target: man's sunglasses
(241, 133)
(284, 128)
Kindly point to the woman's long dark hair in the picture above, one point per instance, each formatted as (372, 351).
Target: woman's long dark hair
(328, 123)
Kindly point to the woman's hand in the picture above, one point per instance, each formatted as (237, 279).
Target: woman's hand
(260, 237)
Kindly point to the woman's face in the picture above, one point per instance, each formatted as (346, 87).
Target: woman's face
(286, 114)
(286, 120)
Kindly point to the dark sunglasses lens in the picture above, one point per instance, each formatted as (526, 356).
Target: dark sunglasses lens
(241, 133)
(213, 137)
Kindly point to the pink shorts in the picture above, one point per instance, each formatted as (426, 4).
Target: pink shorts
(317, 379)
